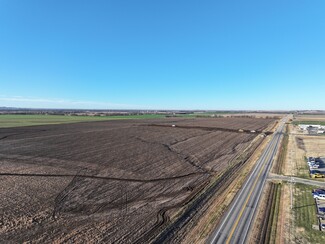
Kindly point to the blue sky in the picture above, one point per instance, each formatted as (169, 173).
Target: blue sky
(163, 54)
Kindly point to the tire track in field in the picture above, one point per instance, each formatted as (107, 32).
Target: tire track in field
(191, 159)
(103, 177)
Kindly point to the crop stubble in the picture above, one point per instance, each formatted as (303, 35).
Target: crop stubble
(108, 181)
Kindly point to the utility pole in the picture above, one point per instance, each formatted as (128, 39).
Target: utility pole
(291, 192)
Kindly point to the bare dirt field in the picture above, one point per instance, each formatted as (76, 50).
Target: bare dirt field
(110, 181)
(301, 146)
(320, 117)
(314, 145)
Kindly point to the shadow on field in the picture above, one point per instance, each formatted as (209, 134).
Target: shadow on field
(304, 206)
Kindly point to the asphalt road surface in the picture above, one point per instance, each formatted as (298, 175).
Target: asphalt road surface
(297, 180)
(238, 220)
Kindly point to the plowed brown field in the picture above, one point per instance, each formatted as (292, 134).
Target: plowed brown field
(109, 181)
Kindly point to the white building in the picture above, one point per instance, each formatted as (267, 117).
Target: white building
(304, 127)
(317, 128)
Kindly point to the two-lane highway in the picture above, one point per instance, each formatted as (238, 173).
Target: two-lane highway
(237, 222)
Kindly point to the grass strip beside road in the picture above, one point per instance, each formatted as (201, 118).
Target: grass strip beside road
(282, 153)
(274, 215)
(17, 120)
(269, 223)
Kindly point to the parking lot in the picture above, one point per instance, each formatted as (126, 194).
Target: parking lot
(321, 162)
(321, 169)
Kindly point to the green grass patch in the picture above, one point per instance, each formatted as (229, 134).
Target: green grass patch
(14, 120)
(308, 122)
(305, 214)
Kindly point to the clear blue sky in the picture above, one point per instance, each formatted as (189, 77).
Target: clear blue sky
(163, 54)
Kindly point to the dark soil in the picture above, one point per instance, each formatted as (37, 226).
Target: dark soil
(109, 181)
